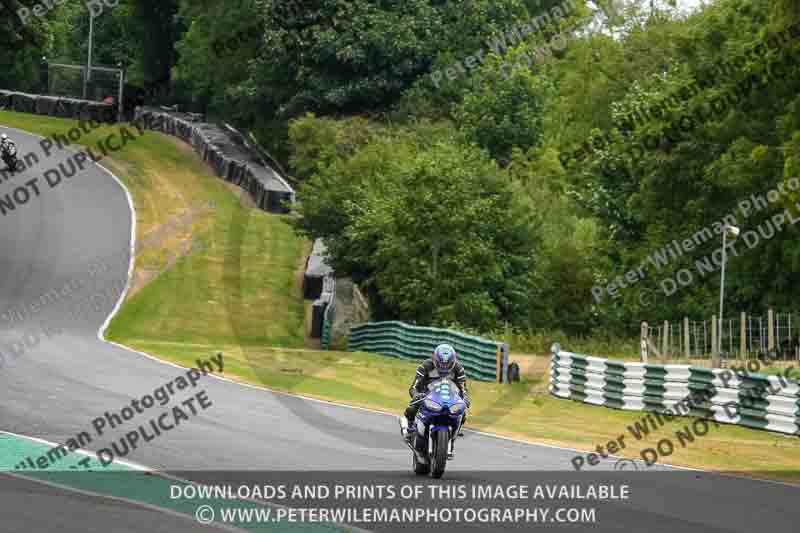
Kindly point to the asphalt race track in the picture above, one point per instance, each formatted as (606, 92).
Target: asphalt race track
(38, 507)
(62, 376)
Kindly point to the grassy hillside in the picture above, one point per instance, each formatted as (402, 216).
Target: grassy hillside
(209, 268)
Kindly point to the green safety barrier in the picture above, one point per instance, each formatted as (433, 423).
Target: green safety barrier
(478, 355)
(325, 340)
(327, 325)
(329, 312)
(753, 400)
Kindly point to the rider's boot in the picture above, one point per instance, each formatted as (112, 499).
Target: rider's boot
(406, 430)
(411, 432)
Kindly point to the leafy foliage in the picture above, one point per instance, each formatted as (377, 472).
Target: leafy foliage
(433, 230)
(23, 44)
(454, 200)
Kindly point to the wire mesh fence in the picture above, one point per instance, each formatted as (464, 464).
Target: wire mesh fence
(71, 81)
(741, 337)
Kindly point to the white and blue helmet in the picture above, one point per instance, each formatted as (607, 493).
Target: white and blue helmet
(444, 358)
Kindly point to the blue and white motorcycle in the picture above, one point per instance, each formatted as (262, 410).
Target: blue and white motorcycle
(437, 426)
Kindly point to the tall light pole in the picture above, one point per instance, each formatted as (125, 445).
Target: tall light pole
(734, 231)
(88, 76)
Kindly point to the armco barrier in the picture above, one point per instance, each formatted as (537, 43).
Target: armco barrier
(752, 400)
(223, 150)
(56, 106)
(479, 356)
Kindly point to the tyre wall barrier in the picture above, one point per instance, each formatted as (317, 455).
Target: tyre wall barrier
(317, 269)
(56, 106)
(319, 284)
(481, 357)
(329, 314)
(752, 400)
(231, 160)
(321, 311)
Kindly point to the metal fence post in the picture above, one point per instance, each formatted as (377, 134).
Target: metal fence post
(705, 335)
(504, 361)
(643, 344)
(730, 336)
(771, 333)
(743, 336)
(714, 345)
(686, 346)
(499, 369)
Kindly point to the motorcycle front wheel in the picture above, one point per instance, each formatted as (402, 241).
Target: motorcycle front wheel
(439, 455)
(419, 468)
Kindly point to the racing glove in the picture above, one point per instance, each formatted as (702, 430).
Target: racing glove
(465, 396)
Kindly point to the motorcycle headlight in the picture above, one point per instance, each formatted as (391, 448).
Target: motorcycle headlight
(433, 406)
(456, 408)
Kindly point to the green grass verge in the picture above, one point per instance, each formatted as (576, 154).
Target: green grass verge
(525, 410)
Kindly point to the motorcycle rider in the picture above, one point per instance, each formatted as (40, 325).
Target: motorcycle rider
(443, 364)
(7, 147)
(5, 143)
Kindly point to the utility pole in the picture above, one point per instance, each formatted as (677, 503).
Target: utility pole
(734, 231)
(87, 78)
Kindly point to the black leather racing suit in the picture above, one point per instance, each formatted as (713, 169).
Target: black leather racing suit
(6, 147)
(426, 374)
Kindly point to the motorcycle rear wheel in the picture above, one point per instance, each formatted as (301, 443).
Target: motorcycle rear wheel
(439, 455)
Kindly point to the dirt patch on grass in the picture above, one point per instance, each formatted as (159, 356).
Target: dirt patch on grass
(142, 276)
(180, 144)
(531, 366)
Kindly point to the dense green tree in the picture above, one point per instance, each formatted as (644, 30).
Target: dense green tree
(213, 55)
(345, 56)
(695, 172)
(115, 39)
(433, 230)
(414, 150)
(157, 29)
(504, 107)
(23, 44)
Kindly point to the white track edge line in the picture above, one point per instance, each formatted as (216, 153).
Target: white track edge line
(135, 503)
(147, 470)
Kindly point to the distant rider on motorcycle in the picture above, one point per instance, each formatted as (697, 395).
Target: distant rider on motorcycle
(8, 150)
(443, 364)
(5, 142)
